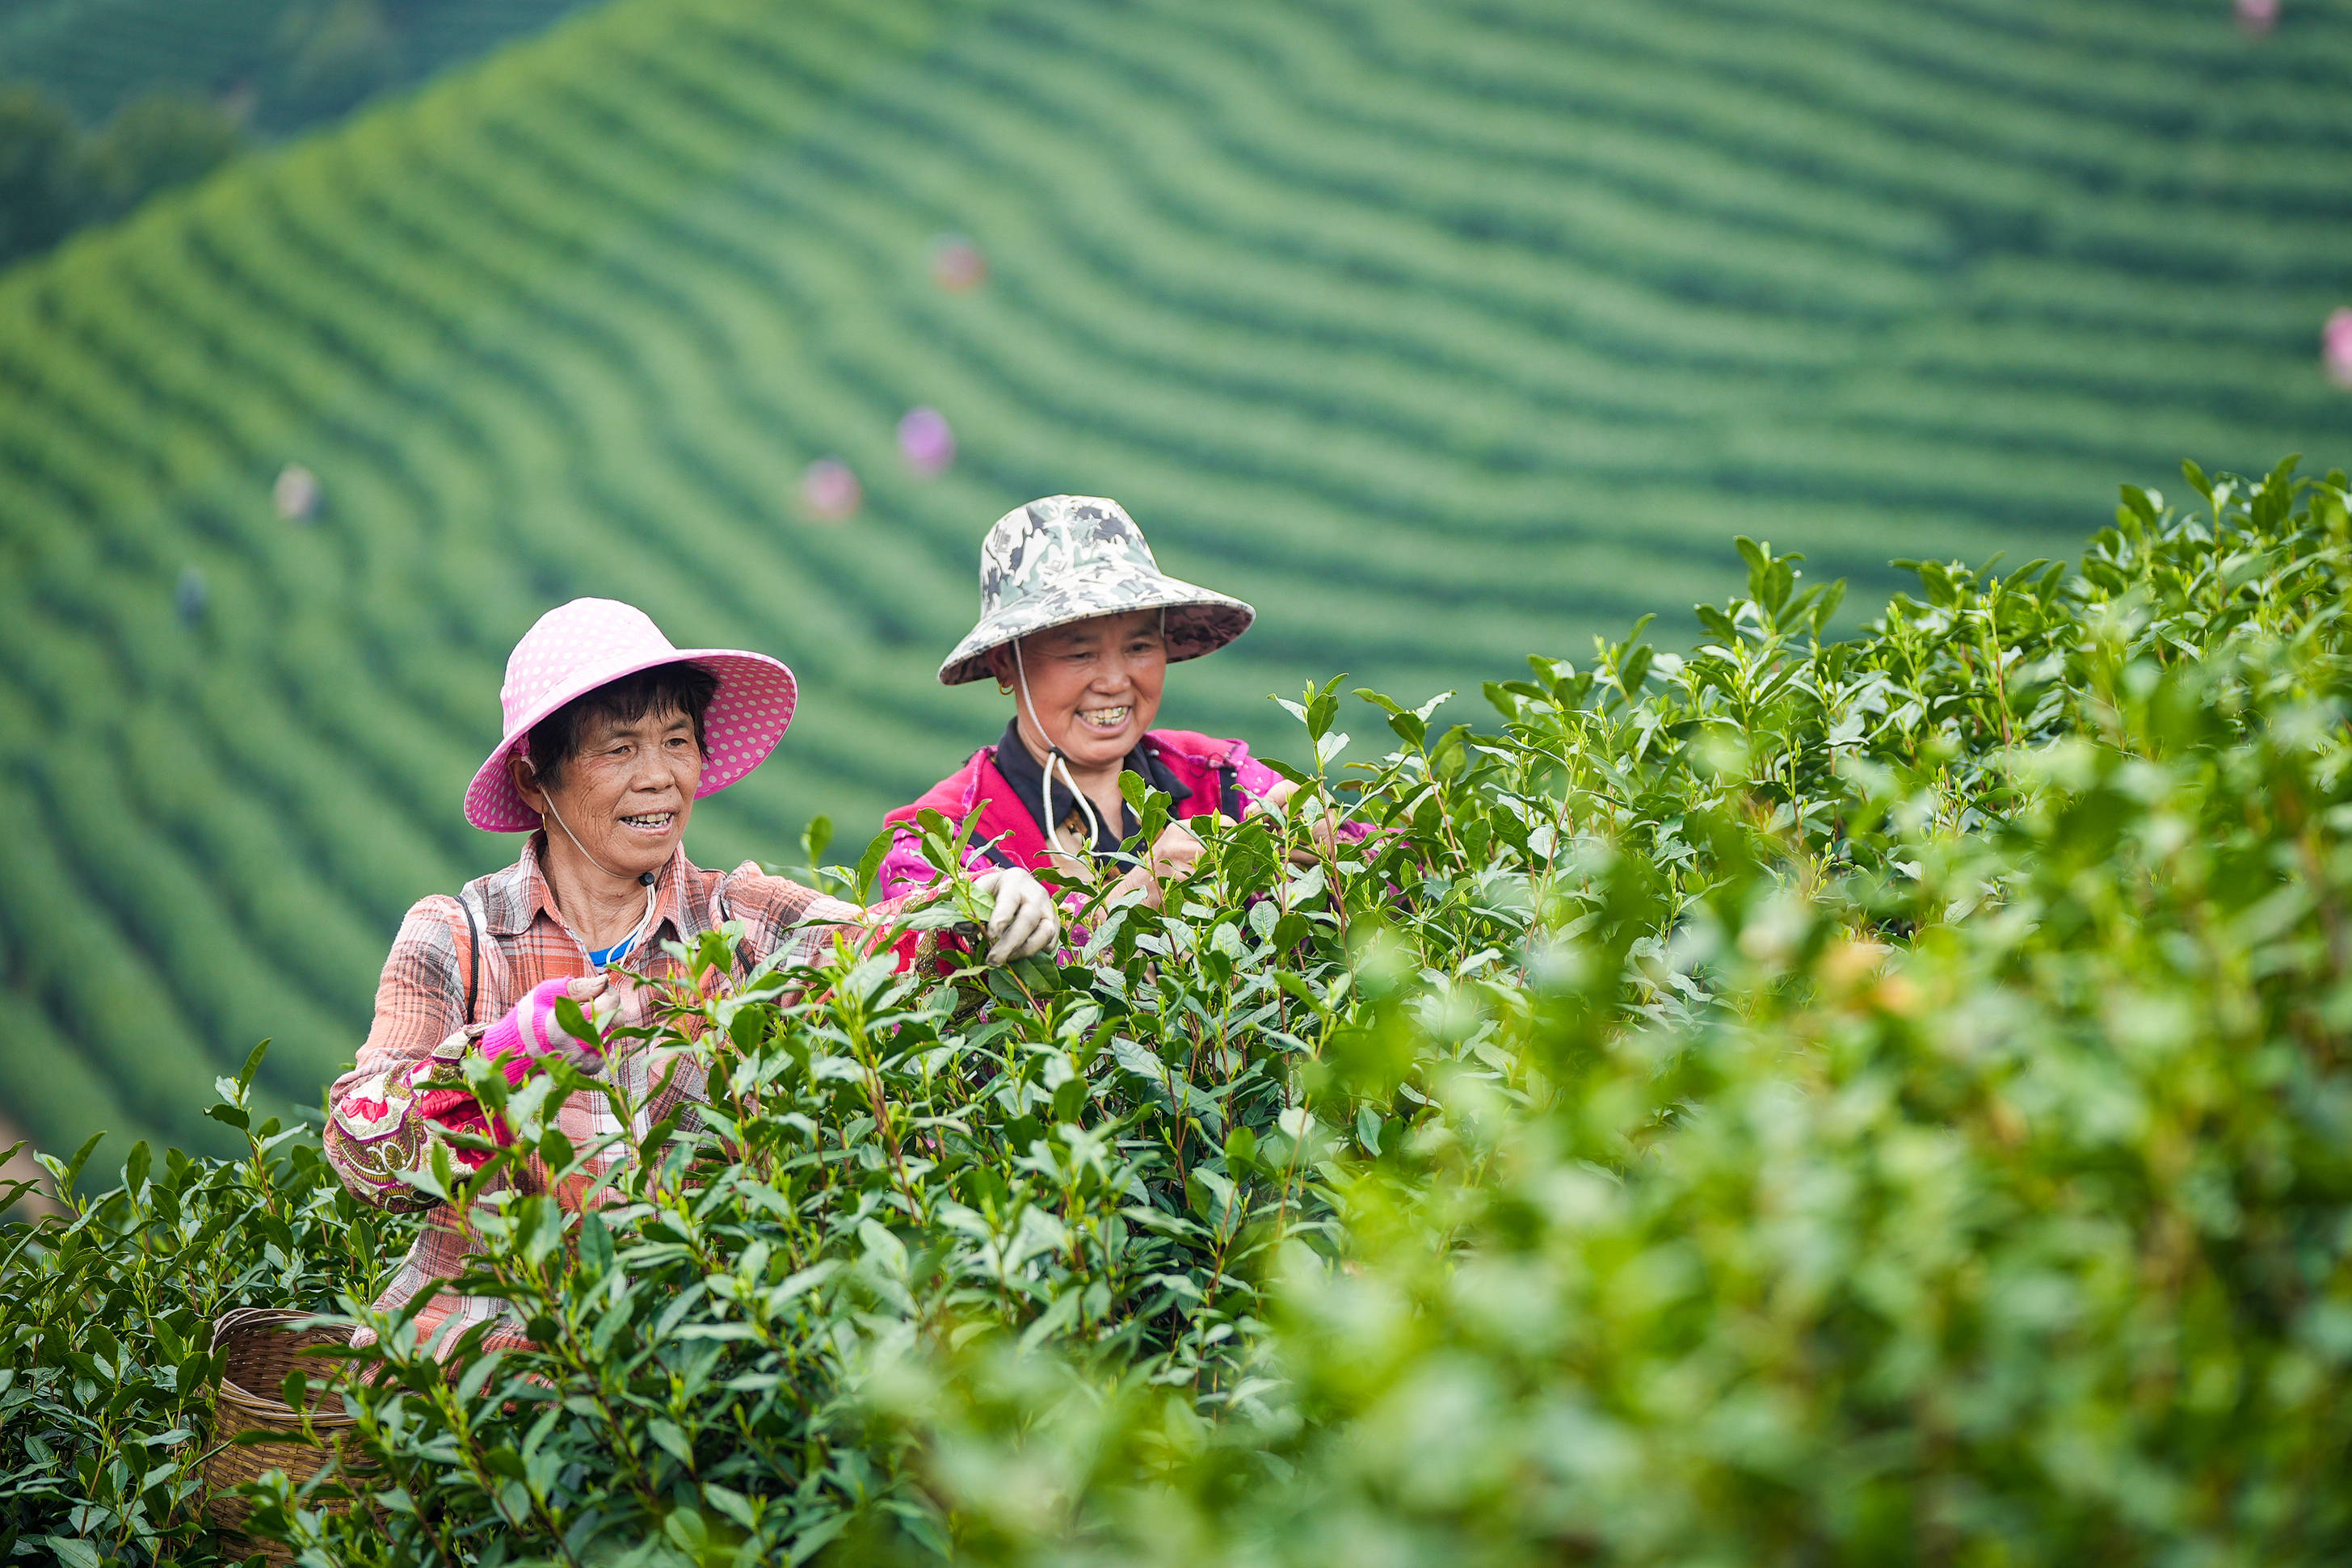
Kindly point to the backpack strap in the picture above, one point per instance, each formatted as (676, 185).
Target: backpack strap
(472, 956)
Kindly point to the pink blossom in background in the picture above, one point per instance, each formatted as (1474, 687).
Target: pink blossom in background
(830, 490)
(2336, 348)
(925, 440)
(2258, 16)
(296, 494)
(957, 265)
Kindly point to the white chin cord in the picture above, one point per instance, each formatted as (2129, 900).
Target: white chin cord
(646, 878)
(1053, 759)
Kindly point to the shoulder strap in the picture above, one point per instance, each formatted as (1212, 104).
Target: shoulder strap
(472, 956)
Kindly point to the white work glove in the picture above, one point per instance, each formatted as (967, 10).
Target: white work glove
(1025, 920)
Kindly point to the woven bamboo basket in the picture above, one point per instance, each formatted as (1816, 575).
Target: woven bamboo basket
(261, 1349)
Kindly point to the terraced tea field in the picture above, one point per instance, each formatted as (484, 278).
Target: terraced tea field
(1445, 331)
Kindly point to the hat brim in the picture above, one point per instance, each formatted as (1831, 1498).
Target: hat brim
(748, 714)
(1199, 622)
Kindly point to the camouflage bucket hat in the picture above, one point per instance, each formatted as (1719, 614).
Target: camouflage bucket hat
(1072, 558)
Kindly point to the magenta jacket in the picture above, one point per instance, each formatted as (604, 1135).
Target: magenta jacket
(1221, 775)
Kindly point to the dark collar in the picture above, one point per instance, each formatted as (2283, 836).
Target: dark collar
(1027, 776)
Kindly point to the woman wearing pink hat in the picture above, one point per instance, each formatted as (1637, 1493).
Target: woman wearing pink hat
(612, 734)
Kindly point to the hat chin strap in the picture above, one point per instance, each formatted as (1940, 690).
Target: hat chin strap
(1053, 759)
(644, 878)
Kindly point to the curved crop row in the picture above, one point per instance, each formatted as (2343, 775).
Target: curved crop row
(1441, 330)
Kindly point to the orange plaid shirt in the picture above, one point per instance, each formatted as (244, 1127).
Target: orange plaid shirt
(407, 1084)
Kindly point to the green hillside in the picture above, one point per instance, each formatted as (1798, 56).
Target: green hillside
(287, 63)
(1444, 332)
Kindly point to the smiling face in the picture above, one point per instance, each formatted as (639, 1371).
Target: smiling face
(1094, 684)
(626, 791)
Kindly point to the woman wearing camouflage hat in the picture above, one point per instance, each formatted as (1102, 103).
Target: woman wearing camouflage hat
(1078, 626)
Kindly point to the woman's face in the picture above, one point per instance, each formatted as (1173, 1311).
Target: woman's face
(625, 793)
(1094, 684)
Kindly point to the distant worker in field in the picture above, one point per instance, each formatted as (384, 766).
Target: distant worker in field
(611, 736)
(1078, 626)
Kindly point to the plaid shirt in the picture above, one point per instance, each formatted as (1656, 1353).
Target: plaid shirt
(409, 1080)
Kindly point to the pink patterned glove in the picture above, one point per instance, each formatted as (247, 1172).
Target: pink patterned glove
(529, 1031)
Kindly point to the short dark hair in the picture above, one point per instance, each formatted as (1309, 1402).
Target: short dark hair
(666, 688)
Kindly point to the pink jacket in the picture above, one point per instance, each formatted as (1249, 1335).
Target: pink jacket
(1221, 773)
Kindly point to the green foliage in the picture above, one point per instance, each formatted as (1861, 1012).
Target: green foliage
(1950, 1167)
(172, 90)
(1854, 1099)
(53, 179)
(156, 142)
(283, 64)
(1442, 333)
(38, 194)
(106, 1327)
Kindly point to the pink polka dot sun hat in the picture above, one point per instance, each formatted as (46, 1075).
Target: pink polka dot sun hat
(577, 647)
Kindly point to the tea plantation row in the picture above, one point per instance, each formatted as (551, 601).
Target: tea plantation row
(1441, 331)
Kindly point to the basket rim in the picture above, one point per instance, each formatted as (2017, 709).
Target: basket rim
(276, 1416)
(265, 1412)
(239, 1318)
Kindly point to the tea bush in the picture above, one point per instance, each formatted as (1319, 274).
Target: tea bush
(1840, 1101)
(1511, 312)
(106, 1318)
(1991, 1205)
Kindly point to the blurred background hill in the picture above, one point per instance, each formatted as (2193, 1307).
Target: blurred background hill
(280, 65)
(1446, 332)
(105, 102)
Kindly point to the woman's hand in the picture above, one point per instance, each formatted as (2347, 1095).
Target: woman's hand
(529, 1032)
(1175, 852)
(599, 996)
(1026, 921)
(1173, 855)
(1276, 801)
